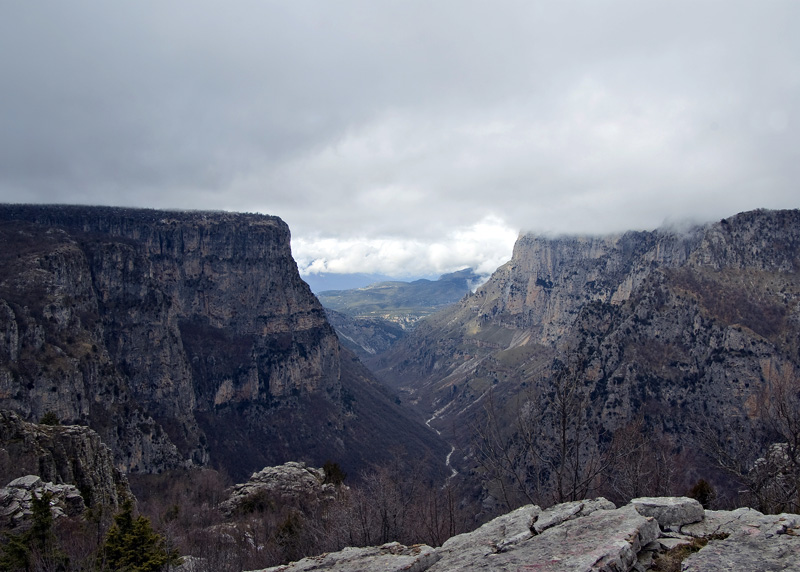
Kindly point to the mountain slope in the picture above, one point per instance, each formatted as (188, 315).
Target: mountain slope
(181, 337)
(681, 328)
(401, 302)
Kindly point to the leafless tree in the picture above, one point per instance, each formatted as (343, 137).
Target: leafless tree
(550, 451)
(760, 449)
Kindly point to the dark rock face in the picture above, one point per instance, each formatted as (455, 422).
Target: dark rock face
(179, 336)
(64, 455)
(679, 327)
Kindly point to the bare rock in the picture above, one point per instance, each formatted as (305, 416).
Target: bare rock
(750, 548)
(496, 535)
(670, 511)
(725, 522)
(392, 557)
(17, 497)
(559, 513)
(605, 540)
(290, 483)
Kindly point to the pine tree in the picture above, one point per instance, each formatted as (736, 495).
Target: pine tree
(132, 545)
(38, 541)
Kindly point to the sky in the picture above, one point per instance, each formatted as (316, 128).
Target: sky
(406, 138)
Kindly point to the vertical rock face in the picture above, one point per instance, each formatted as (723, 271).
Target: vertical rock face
(181, 337)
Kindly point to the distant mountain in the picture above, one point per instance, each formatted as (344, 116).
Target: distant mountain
(184, 338)
(680, 330)
(366, 337)
(403, 303)
(329, 281)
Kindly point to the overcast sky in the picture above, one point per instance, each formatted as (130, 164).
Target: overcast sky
(406, 137)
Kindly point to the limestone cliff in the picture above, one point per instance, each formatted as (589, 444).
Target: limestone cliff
(179, 336)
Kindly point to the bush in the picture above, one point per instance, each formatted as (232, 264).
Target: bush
(333, 473)
(703, 492)
(49, 418)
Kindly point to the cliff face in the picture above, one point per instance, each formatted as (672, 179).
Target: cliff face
(180, 337)
(679, 327)
(63, 455)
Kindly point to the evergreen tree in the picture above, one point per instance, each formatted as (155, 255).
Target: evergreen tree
(38, 541)
(132, 545)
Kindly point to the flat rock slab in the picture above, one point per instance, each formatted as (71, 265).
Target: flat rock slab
(392, 557)
(559, 513)
(670, 511)
(606, 541)
(496, 535)
(748, 549)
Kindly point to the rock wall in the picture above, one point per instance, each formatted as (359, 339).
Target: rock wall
(63, 455)
(181, 337)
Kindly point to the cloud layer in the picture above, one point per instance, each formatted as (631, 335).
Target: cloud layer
(405, 137)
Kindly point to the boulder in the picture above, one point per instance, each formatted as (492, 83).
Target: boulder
(670, 511)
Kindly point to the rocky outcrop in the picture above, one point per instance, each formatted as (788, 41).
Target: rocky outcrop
(33, 455)
(591, 536)
(181, 337)
(289, 484)
(16, 500)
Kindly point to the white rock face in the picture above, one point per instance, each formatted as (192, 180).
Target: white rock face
(392, 557)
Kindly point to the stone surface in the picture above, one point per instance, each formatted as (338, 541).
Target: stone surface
(289, 483)
(16, 499)
(750, 548)
(585, 536)
(559, 513)
(607, 540)
(670, 511)
(392, 557)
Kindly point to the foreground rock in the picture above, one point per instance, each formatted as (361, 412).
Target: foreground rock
(755, 542)
(590, 536)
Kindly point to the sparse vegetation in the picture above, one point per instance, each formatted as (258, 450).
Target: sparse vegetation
(49, 418)
(672, 560)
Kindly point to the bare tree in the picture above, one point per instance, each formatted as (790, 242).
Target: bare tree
(550, 451)
(761, 449)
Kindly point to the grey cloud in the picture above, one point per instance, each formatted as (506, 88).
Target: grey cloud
(405, 119)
